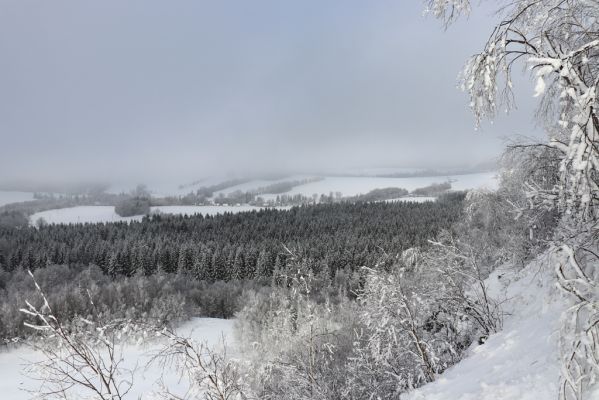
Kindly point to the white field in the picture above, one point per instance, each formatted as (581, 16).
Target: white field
(8, 197)
(81, 215)
(379, 171)
(97, 214)
(352, 186)
(14, 382)
(347, 185)
(162, 189)
(258, 183)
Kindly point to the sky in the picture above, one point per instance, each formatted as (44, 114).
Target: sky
(183, 89)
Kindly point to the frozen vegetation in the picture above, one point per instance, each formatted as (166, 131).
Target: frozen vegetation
(521, 361)
(490, 293)
(19, 382)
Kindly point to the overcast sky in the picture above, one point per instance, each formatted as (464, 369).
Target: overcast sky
(181, 89)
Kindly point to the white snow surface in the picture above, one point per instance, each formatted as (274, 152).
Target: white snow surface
(347, 185)
(15, 382)
(81, 214)
(521, 361)
(9, 197)
(352, 186)
(97, 214)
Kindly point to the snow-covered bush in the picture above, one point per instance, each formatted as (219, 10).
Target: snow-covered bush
(295, 343)
(559, 41)
(209, 374)
(408, 336)
(413, 318)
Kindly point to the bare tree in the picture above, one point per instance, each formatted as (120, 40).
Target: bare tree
(209, 374)
(84, 359)
(77, 363)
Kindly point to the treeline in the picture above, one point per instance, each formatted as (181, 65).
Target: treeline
(233, 246)
(382, 194)
(434, 189)
(285, 186)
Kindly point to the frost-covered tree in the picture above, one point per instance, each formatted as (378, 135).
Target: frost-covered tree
(413, 328)
(558, 40)
(296, 343)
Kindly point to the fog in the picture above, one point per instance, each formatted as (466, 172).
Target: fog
(183, 89)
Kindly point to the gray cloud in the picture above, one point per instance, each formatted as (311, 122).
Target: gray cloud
(185, 88)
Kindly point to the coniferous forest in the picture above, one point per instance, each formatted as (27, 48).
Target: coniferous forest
(217, 256)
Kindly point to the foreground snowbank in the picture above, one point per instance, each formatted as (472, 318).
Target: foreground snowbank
(16, 385)
(520, 362)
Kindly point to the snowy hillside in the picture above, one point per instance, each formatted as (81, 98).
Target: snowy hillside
(347, 185)
(518, 363)
(15, 384)
(352, 186)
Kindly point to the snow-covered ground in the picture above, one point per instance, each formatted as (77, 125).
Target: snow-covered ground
(347, 186)
(80, 214)
(352, 186)
(8, 197)
(364, 181)
(15, 382)
(518, 363)
(96, 214)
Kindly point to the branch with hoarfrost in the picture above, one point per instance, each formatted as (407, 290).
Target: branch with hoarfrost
(448, 10)
(559, 41)
(458, 264)
(411, 334)
(579, 341)
(80, 363)
(209, 373)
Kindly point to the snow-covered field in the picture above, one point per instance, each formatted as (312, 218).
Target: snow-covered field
(80, 214)
(96, 214)
(8, 197)
(14, 384)
(347, 186)
(518, 363)
(352, 186)
(362, 183)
